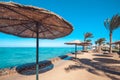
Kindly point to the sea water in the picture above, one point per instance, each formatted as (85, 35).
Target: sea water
(14, 56)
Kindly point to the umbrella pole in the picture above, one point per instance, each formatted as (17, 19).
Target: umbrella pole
(37, 54)
(119, 47)
(75, 51)
(119, 50)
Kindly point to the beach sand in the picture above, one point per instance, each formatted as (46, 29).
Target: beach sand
(87, 66)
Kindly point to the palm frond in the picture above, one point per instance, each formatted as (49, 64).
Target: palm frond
(88, 35)
(88, 40)
(113, 23)
(101, 41)
(107, 23)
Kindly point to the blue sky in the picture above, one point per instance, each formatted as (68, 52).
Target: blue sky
(84, 15)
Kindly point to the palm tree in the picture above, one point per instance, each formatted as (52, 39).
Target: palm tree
(111, 25)
(88, 40)
(96, 45)
(86, 36)
(100, 42)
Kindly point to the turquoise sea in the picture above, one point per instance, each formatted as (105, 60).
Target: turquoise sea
(14, 56)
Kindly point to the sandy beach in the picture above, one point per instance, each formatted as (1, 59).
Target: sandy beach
(65, 40)
(87, 66)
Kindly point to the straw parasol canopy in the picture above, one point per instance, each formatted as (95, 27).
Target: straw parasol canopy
(75, 42)
(22, 21)
(32, 22)
(117, 42)
(85, 44)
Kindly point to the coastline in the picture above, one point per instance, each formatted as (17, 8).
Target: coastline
(29, 66)
(88, 65)
(16, 56)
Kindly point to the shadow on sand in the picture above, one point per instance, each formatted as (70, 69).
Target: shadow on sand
(108, 61)
(93, 67)
(30, 68)
(99, 66)
(102, 55)
(65, 57)
(81, 65)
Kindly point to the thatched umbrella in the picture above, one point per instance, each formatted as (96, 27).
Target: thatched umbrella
(31, 22)
(117, 42)
(84, 44)
(75, 42)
